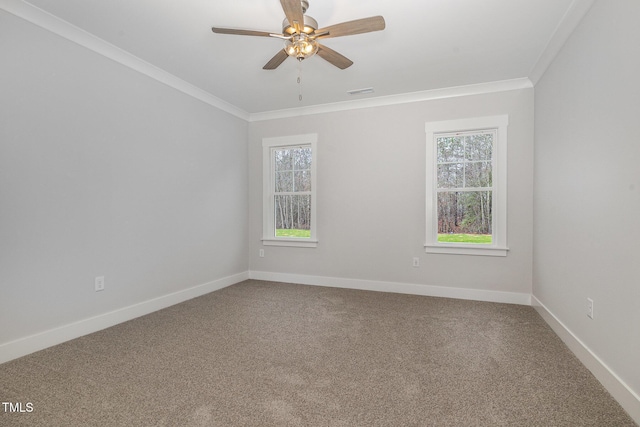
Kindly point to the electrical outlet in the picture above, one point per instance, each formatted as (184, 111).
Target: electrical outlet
(261, 253)
(99, 283)
(590, 308)
(416, 262)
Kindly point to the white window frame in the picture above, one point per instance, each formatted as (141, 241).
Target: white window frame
(498, 247)
(269, 237)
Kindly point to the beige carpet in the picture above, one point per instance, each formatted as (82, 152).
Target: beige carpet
(273, 354)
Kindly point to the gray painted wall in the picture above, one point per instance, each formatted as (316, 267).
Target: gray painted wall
(105, 172)
(587, 186)
(371, 196)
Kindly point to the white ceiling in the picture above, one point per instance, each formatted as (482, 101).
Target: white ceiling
(427, 44)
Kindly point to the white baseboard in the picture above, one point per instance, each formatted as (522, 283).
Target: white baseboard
(23, 346)
(620, 391)
(394, 287)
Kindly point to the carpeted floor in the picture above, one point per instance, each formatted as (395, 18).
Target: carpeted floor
(273, 354)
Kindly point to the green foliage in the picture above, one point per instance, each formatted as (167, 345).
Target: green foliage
(292, 232)
(465, 238)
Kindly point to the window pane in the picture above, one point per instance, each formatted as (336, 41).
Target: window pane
(302, 158)
(465, 217)
(284, 181)
(477, 174)
(293, 215)
(283, 159)
(302, 180)
(450, 175)
(450, 149)
(293, 169)
(478, 146)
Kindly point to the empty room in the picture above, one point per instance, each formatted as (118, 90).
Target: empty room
(319, 213)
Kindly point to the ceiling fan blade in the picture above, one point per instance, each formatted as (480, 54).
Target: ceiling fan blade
(334, 57)
(359, 26)
(293, 12)
(276, 60)
(218, 30)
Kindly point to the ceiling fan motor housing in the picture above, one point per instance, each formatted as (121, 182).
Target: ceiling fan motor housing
(310, 25)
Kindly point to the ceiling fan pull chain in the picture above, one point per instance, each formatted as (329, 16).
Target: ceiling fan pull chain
(300, 81)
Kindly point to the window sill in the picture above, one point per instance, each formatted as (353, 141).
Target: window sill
(295, 243)
(466, 250)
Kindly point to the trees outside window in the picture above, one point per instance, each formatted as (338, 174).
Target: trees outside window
(292, 192)
(466, 186)
(289, 170)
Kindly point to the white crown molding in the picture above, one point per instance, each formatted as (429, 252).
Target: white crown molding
(620, 391)
(45, 20)
(427, 95)
(396, 287)
(563, 31)
(27, 345)
(64, 29)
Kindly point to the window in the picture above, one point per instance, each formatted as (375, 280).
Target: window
(466, 186)
(289, 184)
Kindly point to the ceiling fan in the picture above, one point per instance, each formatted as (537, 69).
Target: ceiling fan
(301, 33)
